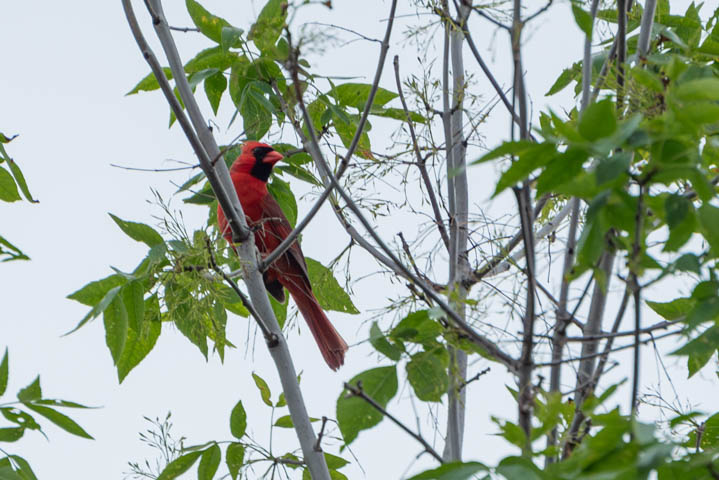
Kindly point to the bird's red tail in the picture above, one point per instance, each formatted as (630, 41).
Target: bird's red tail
(331, 344)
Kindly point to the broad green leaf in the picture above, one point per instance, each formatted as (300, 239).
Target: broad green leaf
(673, 310)
(451, 471)
(20, 417)
(92, 293)
(529, 159)
(234, 457)
(280, 190)
(699, 89)
(353, 413)
(676, 208)
(610, 168)
(231, 37)
(116, 327)
(139, 232)
(140, 341)
(150, 83)
(8, 189)
(256, 111)
(583, 19)
(31, 392)
(210, 25)
(11, 434)
(334, 462)
(700, 349)
(209, 463)
(563, 168)
(520, 468)
(4, 372)
(133, 294)
(427, 373)
(268, 26)
(598, 120)
(417, 327)
(8, 473)
(214, 57)
(179, 466)
(22, 468)
(264, 389)
(215, 86)
(381, 344)
(238, 420)
(328, 291)
(60, 419)
(709, 219)
(20, 180)
(357, 94)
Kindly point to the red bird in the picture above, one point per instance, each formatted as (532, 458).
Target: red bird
(249, 174)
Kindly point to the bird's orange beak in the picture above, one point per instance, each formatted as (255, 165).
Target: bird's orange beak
(273, 157)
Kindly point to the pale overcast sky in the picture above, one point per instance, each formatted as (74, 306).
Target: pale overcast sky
(66, 68)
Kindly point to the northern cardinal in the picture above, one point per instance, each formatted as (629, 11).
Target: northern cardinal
(249, 175)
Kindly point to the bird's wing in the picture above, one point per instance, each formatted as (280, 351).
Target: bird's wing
(275, 224)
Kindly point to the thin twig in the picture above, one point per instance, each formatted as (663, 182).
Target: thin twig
(358, 392)
(421, 161)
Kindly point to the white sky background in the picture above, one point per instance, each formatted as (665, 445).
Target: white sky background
(65, 72)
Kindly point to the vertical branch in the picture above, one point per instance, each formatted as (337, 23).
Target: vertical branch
(218, 175)
(563, 318)
(458, 194)
(645, 32)
(526, 217)
(637, 293)
(621, 50)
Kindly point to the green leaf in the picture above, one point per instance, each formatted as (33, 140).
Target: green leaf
(356, 95)
(264, 389)
(676, 208)
(280, 190)
(210, 25)
(700, 349)
(427, 373)
(451, 471)
(231, 37)
(564, 79)
(13, 253)
(214, 57)
(530, 159)
(256, 111)
(215, 86)
(11, 434)
(8, 473)
(519, 468)
(31, 392)
(209, 463)
(353, 413)
(238, 420)
(268, 27)
(4, 372)
(116, 327)
(142, 340)
(92, 293)
(179, 466)
(328, 291)
(561, 169)
(583, 19)
(417, 327)
(60, 419)
(150, 83)
(23, 469)
(598, 120)
(610, 168)
(699, 89)
(234, 457)
(20, 180)
(382, 345)
(285, 421)
(8, 189)
(139, 232)
(709, 219)
(677, 308)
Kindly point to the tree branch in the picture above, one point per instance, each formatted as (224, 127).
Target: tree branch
(357, 391)
(218, 175)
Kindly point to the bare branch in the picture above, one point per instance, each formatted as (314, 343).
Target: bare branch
(356, 390)
(421, 161)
